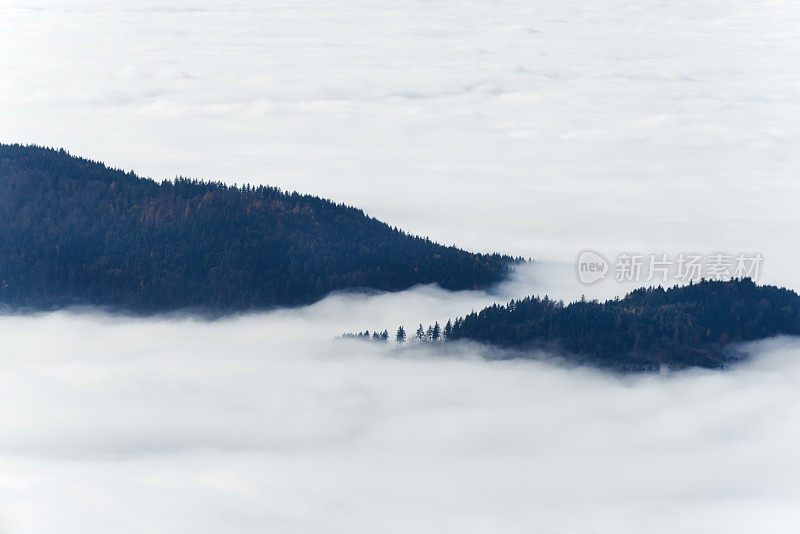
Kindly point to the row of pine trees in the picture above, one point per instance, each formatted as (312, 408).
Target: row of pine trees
(433, 333)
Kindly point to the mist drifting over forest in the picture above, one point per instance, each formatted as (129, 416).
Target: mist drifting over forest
(262, 423)
(525, 128)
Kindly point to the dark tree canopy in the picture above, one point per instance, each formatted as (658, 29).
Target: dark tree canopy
(75, 232)
(678, 327)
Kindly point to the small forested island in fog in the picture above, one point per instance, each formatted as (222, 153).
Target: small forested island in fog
(75, 232)
(684, 326)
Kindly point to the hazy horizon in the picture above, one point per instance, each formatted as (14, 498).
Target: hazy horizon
(533, 128)
(521, 127)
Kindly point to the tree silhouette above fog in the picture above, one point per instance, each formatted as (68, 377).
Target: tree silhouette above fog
(649, 328)
(73, 231)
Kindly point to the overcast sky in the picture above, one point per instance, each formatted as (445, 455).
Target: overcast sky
(533, 127)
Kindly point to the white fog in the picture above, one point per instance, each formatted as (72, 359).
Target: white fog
(529, 128)
(264, 422)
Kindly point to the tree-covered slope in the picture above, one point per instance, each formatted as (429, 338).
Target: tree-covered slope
(73, 231)
(679, 327)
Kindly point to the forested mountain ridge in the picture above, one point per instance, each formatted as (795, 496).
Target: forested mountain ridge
(75, 232)
(678, 327)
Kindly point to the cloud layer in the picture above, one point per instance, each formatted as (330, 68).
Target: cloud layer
(527, 127)
(261, 423)
(530, 127)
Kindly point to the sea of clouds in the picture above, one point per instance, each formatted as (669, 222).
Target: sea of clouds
(526, 127)
(266, 423)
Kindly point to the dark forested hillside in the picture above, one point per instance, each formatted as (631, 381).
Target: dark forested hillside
(73, 231)
(679, 327)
